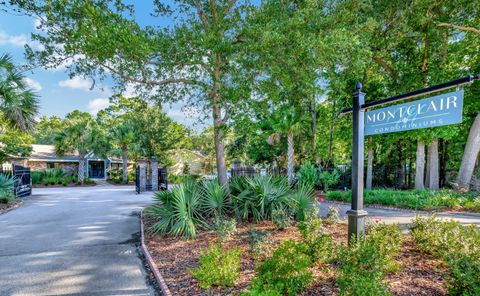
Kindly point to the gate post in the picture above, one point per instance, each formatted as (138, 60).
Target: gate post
(356, 215)
(154, 174)
(142, 164)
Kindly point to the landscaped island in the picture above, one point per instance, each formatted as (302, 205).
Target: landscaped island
(260, 237)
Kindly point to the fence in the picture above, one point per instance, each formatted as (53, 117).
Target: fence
(249, 171)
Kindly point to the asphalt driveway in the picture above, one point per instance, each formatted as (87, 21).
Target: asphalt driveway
(73, 241)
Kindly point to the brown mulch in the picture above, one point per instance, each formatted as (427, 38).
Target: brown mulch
(419, 274)
(5, 207)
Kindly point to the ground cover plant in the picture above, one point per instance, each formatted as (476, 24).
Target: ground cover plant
(415, 199)
(458, 246)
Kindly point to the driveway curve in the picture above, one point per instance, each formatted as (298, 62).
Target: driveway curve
(73, 241)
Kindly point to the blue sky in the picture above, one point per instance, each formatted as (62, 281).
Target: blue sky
(60, 95)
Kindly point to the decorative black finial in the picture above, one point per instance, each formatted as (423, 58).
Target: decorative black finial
(359, 85)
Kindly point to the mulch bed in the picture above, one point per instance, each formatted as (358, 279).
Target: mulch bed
(420, 274)
(5, 207)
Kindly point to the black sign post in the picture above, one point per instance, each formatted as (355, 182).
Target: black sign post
(356, 215)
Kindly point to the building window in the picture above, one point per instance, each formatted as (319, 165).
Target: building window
(53, 165)
(116, 166)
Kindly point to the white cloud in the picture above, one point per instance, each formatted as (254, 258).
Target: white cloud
(97, 104)
(13, 40)
(36, 24)
(33, 84)
(76, 83)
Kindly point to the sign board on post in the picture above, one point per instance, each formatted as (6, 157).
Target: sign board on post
(431, 112)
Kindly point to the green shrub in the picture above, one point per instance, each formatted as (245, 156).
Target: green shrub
(65, 181)
(458, 246)
(287, 271)
(464, 276)
(255, 198)
(281, 218)
(216, 199)
(224, 228)
(302, 202)
(364, 263)
(327, 179)
(261, 246)
(218, 267)
(320, 244)
(333, 215)
(6, 188)
(307, 175)
(182, 215)
(414, 199)
(37, 177)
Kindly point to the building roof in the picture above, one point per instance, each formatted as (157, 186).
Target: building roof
(47, 153)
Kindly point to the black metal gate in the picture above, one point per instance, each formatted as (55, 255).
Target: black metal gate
(137, 179)
(22, 184)
(162, 179)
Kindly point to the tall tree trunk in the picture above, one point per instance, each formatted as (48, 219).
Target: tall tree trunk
(433, 165)
(470, 153)
(218, 125)
(124, 164)
(369, 164)
(420, 165)
(219, 146)
(81, 168)
(291, 160)
(330, 139)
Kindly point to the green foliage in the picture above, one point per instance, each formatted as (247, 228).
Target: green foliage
(216, 201)
(457, 245)
(6, 189)
(333, 215)
(261, 247)
(281, 218)
(286, 271)
(415, 199)
(256, 198)
(302, 202)
(224, 227)
(328, 178)
(179, 214)
(52, 177)
(218, 267)
(319, 242)
(308, 175)
(365, 262)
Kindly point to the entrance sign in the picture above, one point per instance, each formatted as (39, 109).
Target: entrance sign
(435, 111)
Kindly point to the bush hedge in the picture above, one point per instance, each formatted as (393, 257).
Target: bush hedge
(415, 199)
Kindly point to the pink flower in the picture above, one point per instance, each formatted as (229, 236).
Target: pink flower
(322, 199)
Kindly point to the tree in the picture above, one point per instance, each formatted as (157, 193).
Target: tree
(83, 135)
(18, 103)
(193, 59)
(470, 154)
(46, 129)
(124, 135)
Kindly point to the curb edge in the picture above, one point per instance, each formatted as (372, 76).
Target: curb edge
(151, 263)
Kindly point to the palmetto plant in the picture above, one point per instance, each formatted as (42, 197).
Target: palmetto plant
(301, 202)
(18, 103)
(216, 199)
(6, 188)
(257, 197)
(182, 214)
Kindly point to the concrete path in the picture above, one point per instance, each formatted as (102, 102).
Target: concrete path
(401, 216)
(73, 241)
